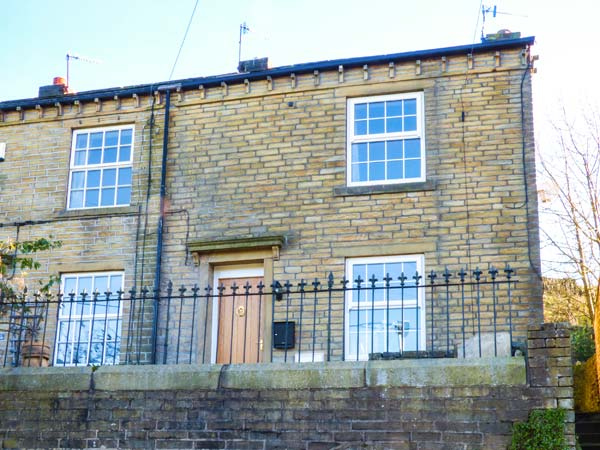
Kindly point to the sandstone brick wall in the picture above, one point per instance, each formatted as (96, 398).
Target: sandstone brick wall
(431, 404)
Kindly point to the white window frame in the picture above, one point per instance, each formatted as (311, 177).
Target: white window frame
(396, 303)
(352, 138)
(102, 167)
(71, 312)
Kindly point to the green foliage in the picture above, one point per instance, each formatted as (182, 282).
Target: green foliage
(585, 387)
(582, 343)
(544, 430)
(17, 258)
(564, 301)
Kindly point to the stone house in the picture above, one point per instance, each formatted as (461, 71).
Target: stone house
(380, 166)
(373, 216)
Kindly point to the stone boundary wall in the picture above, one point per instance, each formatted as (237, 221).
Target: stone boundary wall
(406, 404)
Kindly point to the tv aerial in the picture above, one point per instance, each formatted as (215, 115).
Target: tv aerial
(243, 30)
(71, 56)
(493, 10)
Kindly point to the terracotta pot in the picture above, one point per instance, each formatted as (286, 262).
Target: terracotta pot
(35, 354)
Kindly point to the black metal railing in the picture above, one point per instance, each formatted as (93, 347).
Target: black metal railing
(445, 314)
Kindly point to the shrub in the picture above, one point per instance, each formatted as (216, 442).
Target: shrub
(543, 430)
(585, 387)
(582, 342)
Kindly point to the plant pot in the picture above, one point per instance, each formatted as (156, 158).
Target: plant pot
(35, 354)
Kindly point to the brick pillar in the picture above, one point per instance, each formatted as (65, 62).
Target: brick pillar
(550, 370)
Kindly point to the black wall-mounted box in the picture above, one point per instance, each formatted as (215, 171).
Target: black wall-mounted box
(284, 334)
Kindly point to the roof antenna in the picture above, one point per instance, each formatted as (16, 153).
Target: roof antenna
(243, 30)
(493, 9)
(71, 56)
(485, 11)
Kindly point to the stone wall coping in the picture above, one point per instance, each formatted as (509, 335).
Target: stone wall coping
(398, 373)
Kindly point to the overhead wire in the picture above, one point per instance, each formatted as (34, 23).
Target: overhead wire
(183, 40)
(464, 143)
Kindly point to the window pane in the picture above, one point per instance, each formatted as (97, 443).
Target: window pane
(116, 283)
(413, 168)
(94, 156)
(377, 171)
(394, 108)
(76, 199)
(96, 140)
(360, 127)
(112, 330)
(394, 149)
(410, 269)
(64, 331)
(77, 180)
(93, 178)
(393, 269)
(80, 356)
(70, 284)
(412, 148)
(394, 170)
(123, 195)
(81, 141)
(126, 136)
(376, 109)
(394, 125)
(375, 270)
(98, 333)
(110, 155)
(108, 197)
(85, 284)
(124, 153)
(91, 198)
(111, 138)
(359, 270)
(377, 151)
(109, 177)
(359, 152)
(79, 158)
(124, 176)
(61, 356)
(360, 172)
(376, 126)
(410, 123)
(360, 111)
(410, 107)
(96, 350)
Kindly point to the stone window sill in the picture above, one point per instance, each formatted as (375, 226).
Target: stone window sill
(384, 189)
(100, 212)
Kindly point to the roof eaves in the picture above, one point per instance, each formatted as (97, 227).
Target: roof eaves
(194, 83)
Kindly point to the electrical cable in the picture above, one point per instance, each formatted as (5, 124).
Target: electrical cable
(183, 40)
(536, 269)
(464, 146)
(148, 186)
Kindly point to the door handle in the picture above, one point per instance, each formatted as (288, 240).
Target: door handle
(261, 345)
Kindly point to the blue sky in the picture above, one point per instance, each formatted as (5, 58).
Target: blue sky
(137, 40)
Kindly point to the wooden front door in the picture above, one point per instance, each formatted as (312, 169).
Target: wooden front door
(240, 330)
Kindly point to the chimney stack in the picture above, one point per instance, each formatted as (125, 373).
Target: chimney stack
(57, 88)
(254, 65)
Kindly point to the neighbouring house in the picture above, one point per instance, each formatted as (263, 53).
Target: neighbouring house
(361, 209)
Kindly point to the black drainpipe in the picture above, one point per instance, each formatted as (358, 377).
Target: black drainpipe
(159, 231)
